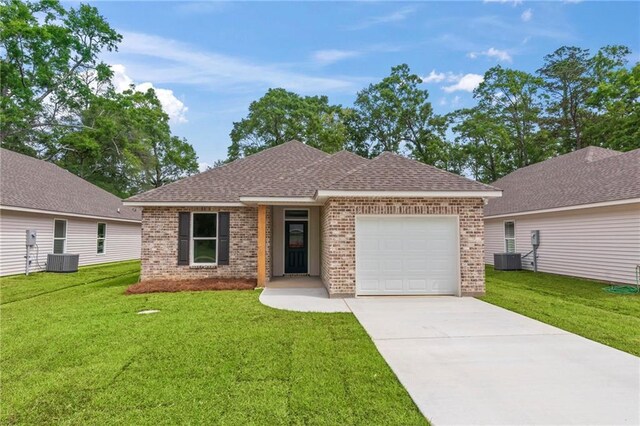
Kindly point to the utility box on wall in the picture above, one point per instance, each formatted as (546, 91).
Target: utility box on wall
(507, 261)
(32, 235)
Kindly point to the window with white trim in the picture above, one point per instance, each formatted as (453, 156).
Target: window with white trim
(510, 236)
(101, 238)
(59, 236)
(204, 238)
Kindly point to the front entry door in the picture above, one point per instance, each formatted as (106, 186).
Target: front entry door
(295, 247)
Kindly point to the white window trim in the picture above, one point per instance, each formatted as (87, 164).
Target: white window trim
(191, 239)
(64, 240)
(504, 233)
(104, 239)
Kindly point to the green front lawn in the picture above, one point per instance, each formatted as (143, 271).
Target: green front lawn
(75, 351)
(576, 305)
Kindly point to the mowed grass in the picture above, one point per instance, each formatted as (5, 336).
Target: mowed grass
(75, 351)
(572, 304)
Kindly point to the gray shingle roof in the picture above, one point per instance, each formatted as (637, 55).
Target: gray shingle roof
(392, 172)
(306, 180)
(27, 182)
(230, 181)
(294, 169)
(590, 175)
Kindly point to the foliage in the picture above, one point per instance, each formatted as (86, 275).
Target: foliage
(571, 75)
(58, 102)
(50, 69)
(395, 115)
(75, 351)
(280, 116)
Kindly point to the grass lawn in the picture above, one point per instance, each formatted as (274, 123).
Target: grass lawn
(576, 305)
(75, 351)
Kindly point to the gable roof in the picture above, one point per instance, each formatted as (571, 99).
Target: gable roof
(225, 184)
(297, 171)
(395, 173)
(29, 183)
(587, 176)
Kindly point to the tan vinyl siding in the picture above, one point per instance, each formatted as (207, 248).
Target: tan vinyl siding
(122, 240)
(597, 243)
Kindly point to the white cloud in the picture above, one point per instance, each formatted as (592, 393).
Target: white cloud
(512, 2)
(203, 167)
(397, 16)
(492, 52)
(455, 101)
(439, 77)
(167, 61)
(330, 56)
(174, 107)
(527, 15)
(467, 83)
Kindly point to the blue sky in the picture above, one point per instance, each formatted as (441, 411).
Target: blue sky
(209, 60)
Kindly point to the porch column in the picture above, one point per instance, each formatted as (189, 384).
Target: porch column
(262, 244)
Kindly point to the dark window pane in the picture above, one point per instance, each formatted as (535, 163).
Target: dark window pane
(60, 230)
(100, 246)
(102, 230)
(204, 251)
(204, 225)
(58, 246)
(296, 214)
(509, 230)
(296, 235)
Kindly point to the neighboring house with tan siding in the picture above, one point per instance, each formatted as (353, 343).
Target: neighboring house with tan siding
(389, 225)
(585, 204)
(69, 214)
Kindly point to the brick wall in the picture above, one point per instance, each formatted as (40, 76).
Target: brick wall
(338, 263)
(160, 244)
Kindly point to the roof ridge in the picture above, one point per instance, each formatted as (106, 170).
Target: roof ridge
(370, 161)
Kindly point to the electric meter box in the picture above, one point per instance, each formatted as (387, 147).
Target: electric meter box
(32, 234)
(535, 238)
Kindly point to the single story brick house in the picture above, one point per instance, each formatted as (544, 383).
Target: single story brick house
(68, 214)
(586, 207)
(389, 225)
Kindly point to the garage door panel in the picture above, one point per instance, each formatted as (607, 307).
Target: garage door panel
(406, 255)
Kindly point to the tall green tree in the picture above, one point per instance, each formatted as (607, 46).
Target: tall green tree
(513, 100)
(617, 100)
(280, 116)
(485, 144)
(395, 114)
(571, 75)
(49, 70)
(125, 144)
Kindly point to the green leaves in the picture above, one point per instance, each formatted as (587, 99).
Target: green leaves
(280, 116)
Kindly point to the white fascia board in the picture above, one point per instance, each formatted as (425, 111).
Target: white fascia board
(568, 208)
(280, 201)
(324, 194)
(57, 213)
(179, 204)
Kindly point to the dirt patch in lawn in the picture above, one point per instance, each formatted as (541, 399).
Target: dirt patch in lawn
(172, 286)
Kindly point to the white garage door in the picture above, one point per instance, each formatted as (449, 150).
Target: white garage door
(406, 255)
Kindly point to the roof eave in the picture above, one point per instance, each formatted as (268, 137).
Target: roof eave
(323, 195)
(566, 208)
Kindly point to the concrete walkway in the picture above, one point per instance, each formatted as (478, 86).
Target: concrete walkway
(466, 362)
(300, 294)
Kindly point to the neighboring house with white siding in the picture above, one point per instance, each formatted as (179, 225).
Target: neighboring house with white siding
(585, 204)
(69, 214)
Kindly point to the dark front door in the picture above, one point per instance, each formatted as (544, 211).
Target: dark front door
(295, 247)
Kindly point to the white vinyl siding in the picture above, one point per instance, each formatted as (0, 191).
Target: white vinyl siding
(123, 240)
(598, 243)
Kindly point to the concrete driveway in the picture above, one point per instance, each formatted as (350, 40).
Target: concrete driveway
(467, 362)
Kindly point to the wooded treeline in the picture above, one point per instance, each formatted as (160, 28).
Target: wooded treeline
(58, 102)
(576, 99)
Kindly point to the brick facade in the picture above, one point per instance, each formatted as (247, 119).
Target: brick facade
(160, 244)
(338, 263)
